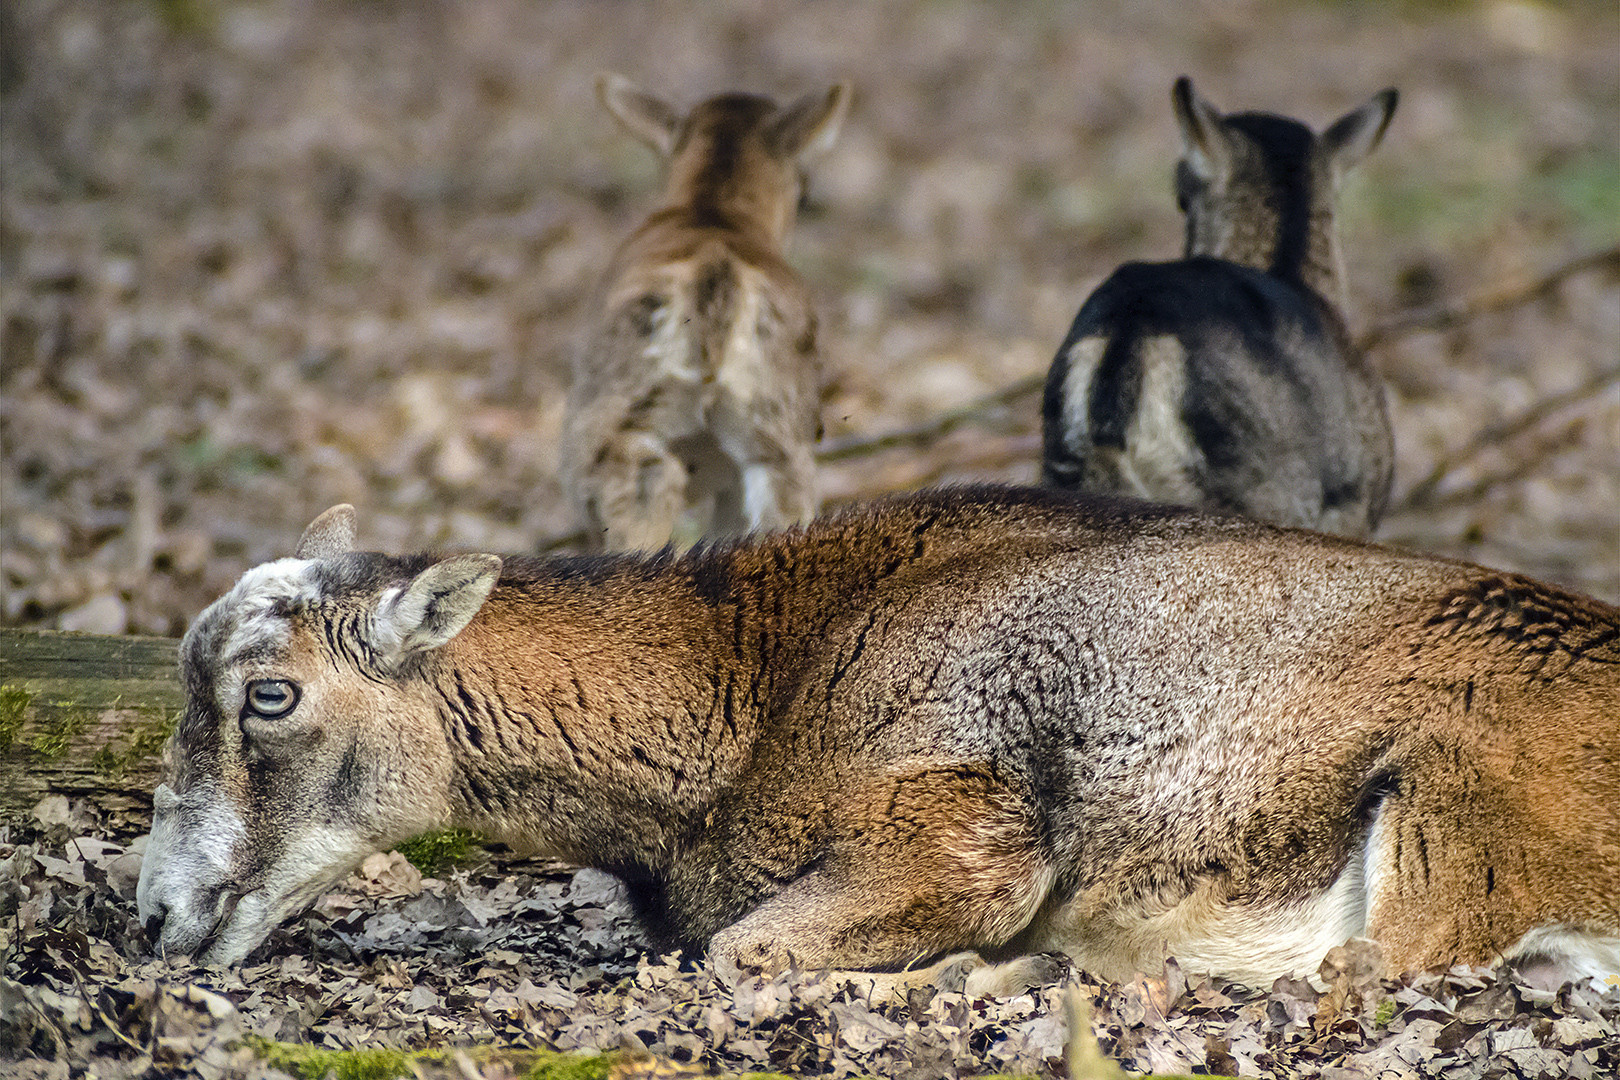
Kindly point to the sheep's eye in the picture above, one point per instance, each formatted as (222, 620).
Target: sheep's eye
(270, 698)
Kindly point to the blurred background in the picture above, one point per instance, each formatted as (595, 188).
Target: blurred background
(260, 257)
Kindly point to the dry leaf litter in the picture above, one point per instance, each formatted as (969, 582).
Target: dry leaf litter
(529, 954)
(258, 258)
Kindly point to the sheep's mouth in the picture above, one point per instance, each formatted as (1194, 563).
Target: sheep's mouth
(226, 905)
(231, 941)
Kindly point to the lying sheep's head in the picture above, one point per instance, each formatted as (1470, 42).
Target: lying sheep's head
(307, 740)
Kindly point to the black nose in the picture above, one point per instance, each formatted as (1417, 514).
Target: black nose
(154, 922)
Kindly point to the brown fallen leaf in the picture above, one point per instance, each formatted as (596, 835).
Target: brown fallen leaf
(386, 874)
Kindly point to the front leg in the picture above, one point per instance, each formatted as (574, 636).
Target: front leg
(927, 860)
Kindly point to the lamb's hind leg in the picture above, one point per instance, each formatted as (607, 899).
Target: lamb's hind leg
(931, 861)
(635, 490)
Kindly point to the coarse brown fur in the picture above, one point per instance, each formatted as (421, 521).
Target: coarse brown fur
(990, 719)
(1227, 379)
(696, 396)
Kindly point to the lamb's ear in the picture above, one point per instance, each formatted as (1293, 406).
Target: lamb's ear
(435, 607)
(1354, 135)
(808, 127)
(648, 118)
(329, 535)
(1203, 142)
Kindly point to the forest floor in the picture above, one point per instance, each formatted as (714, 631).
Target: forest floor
(502, 957)
(257, 258)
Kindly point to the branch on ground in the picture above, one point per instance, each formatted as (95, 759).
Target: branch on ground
(1499, 297)
(978, 411)
(991, 408)
(1426, 493)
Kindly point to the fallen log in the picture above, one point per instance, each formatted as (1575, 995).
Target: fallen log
(84, 715)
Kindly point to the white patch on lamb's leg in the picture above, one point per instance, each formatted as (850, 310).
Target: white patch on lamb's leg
(761, 503)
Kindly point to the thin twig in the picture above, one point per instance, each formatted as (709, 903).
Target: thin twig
(1496, 298)
(982, 410)
(1527, 466)
(1423, 494)
(978, 410)
(95, 1004)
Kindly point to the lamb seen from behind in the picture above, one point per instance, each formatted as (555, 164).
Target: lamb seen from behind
(696, 397)
(1011, 721)
(1227, 379)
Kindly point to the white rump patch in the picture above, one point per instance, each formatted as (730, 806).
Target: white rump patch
(1084, 356)
(745, 370)
(1159, 450)
(668, 349)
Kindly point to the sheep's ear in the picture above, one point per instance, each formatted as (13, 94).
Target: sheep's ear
(1354, 135)
(808, 127)
(435, 607)
(329, 535)
(648, 118)
(1203, 142)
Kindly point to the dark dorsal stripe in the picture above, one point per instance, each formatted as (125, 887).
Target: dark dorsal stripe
(721, 127)
(1285, 153)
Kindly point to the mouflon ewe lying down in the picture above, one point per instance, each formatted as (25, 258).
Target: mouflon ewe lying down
(1227, 379)
(989, 719)
(696, 400)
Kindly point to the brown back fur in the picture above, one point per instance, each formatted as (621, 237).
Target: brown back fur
(988, 719)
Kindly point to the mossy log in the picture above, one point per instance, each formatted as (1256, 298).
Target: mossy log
(84, 715)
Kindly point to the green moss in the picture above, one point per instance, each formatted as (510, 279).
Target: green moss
(388, 1063)
(553, 1066)
(316, 1063)
(55, 732)
(1385, 1012)
(13, 701)
(140, 743)
(434, 852)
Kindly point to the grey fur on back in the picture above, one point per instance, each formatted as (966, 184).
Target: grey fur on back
(1227, 379)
